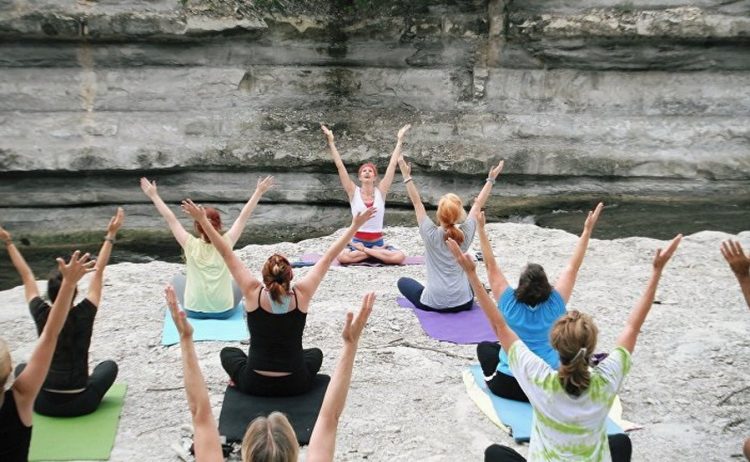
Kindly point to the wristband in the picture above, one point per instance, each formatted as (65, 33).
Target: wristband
(490, 180)
(406, 180)
(111, 240)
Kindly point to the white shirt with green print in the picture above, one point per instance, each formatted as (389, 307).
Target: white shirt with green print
(566, 427)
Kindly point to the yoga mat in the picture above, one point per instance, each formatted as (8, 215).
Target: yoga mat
(515, 416)
(464, 327)
(309, 259)
(88, 437)
(239, 409)
(231, 329)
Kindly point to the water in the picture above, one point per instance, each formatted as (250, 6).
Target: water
(646, 219)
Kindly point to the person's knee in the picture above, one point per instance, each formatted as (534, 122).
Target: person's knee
(110, 367)
(315, 355)
(498, 453)
(620, 447)
(746, 449)
(19, 369)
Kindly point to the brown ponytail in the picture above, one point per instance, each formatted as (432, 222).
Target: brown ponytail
(450, 211)
(574, 337)
(277, 274)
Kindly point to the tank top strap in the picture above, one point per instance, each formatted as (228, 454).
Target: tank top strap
(280, 307)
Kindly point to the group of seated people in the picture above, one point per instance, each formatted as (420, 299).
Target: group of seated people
(545, 354)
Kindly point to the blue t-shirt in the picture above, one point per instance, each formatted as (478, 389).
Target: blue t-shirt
(532, 325)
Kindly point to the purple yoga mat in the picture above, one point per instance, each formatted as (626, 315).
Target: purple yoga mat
(312, 258)
(464, 327)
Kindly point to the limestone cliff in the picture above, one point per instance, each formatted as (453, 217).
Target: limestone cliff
(582, 97)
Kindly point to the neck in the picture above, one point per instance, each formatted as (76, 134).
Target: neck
(368, 187)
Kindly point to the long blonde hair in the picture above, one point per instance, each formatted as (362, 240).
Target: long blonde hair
(270, 439)
(574, 337)
(450, 211)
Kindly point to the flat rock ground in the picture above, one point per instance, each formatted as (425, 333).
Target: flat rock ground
(689, 385)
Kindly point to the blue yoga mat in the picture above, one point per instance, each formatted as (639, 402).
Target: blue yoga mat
(516, 415)
(231, 329)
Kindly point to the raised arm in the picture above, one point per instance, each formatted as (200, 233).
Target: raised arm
(346, 182)
(179, 233)
(323, 439)
(27, 276)
(241, 274)
(498, 283)
(390, 172)
(95, 289)
(29, 382)
(740, 265)
(411, 190)
(567, 279)
(504, 333)
(206, 440)
(309, 284)
(632, 328)
(234, 233)
(486, 189)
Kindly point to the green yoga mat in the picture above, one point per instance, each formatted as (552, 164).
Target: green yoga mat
(88, 437)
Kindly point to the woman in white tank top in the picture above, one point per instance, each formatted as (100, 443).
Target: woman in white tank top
(368, 242)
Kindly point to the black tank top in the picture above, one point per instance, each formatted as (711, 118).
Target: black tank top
(15, 437)
(276, 339)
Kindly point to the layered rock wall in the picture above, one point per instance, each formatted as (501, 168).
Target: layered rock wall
(572, 93)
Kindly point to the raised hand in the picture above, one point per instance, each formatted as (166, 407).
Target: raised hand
(495, 171)
(735, 256)
(405, 168)
(116, 221)
(402, 132)
(196, 211)
(77, 266)
(481, 220)
(362, 217)
(5, 235)
(463, 259)
(593, 217)
(264, 184)
(353, 326)
(148, 187)
(178, 316)
(662, 256)
(327, 132)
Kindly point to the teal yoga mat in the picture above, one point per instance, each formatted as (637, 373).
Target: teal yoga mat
(88, 437)
(231, 329)
(516, 416)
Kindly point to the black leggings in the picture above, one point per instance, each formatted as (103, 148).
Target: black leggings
(503, 385)
(235, 363)
(55, 404)
(619, 446)
(412, 290)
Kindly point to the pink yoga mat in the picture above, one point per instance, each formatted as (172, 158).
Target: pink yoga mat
(463, 328)
(309, 259)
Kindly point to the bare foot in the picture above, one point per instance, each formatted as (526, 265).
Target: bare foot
(359, 246)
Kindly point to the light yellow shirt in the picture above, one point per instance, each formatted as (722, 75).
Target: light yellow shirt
(209, 284)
